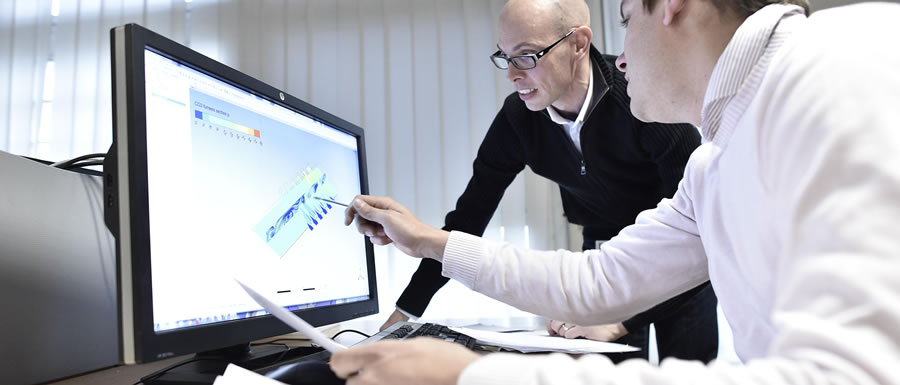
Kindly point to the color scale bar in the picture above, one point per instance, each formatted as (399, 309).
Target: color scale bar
(225, 123)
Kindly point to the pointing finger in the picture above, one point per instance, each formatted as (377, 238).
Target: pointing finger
(350, 213)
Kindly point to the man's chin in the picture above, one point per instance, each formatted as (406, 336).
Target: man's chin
(643, 119)
(535, 106)
(642, 113)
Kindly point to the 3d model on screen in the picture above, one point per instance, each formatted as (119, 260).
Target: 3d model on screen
(297, 212)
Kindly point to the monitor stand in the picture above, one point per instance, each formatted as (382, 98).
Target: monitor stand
(203, 368)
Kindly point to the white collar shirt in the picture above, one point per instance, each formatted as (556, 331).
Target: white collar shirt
(573, 127)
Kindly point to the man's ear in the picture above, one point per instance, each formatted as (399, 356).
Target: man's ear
(670, 9)
(583, 36)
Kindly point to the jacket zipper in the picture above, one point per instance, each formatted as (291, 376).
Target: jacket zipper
(583, 169)
(603, 93)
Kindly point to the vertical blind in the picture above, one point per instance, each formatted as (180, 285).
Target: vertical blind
(414, 74)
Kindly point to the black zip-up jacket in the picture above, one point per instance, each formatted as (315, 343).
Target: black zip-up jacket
(625, 167)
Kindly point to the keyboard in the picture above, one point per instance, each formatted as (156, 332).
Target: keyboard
(406, 330)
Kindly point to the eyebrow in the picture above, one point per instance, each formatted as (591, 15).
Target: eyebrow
(518, 47)
(521, 46)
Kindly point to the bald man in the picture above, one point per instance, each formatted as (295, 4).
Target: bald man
(569, 122)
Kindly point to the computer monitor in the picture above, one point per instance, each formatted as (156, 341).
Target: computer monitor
(213, 173)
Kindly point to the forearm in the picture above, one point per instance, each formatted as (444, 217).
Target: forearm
(623, 278)
(473, 211)
(422, 287)
(587, 289)
(498, 162)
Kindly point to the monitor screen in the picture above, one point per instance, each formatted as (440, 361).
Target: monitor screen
(221, 175)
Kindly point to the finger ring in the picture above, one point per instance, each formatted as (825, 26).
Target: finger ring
(562, 329)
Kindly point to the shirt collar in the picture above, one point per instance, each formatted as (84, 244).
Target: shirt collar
(741, 59)
(559, 119)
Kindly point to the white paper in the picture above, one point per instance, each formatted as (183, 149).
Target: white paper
(540, 341)
(236, 375)
(292, 320)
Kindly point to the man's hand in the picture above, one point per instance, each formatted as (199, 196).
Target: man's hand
(412, 362)
(395, 317)
(385, 221)
(605, 333)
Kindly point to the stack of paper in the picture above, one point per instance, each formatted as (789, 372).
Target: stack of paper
(540, 341)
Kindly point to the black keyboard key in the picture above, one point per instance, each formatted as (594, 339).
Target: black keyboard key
(431, 330)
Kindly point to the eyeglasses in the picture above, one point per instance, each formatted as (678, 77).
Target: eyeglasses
(523, 62)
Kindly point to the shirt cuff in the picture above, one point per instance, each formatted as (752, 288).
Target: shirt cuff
(462, 258)
(407, 314)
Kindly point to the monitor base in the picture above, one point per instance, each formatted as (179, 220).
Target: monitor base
(203, 368)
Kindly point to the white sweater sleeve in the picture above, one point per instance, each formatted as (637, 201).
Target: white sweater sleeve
(655, 259)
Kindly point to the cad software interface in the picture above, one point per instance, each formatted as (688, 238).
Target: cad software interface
(239, 185)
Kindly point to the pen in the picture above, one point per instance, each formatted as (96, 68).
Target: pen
(331, 201)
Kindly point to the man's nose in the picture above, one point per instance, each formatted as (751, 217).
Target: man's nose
(513, 73)
(620, 62)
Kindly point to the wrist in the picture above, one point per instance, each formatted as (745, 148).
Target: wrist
(435, 243)
(400, 313)
(620, 330)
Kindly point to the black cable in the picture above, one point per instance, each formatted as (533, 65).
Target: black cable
(87, 171)
(351, 331)
(81, 164)
(283, 352)
(158, 373)
(66, 163)
(287, 347)
(272, 342)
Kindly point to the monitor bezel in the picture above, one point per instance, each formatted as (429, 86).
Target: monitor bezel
(129, 197)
